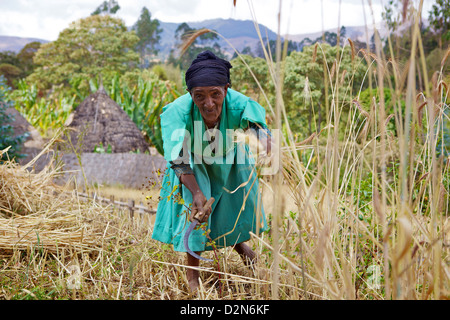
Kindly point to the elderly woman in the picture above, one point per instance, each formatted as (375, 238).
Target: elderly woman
(204, 161)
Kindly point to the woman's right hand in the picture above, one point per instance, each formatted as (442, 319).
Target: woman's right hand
(198, 199)
(197, 211)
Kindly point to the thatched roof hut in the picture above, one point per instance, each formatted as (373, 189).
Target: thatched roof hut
(99, 119)
(33, 144)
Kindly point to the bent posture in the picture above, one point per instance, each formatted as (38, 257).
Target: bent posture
(204, 161)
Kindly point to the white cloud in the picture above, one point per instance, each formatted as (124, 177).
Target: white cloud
(46, 18)
(43, 19)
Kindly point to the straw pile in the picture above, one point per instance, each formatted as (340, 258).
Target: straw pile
(34, 212)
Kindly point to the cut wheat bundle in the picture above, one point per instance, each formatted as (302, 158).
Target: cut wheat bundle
(35, 212)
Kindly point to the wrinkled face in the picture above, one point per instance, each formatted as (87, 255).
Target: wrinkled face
(209, 101)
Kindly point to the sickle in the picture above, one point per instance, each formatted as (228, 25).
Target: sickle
(192, 227)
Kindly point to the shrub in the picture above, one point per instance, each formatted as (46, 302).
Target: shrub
(7, 138)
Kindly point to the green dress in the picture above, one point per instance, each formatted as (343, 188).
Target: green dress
(228, 175)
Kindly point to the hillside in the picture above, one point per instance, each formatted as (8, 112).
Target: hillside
(10, 43)
(239, 33)
(360, 33)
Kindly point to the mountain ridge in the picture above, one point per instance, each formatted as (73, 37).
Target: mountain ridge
(238, 33)
(15, 44)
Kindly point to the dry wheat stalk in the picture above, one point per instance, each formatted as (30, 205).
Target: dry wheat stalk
(34, 211)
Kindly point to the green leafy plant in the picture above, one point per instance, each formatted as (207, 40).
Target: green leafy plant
(46, 114)
(7, 137)
(100, 149)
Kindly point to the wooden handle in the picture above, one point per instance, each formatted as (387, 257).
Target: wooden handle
(209, 203)
(205, 207)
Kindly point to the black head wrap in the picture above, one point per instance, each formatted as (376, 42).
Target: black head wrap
(208, 70)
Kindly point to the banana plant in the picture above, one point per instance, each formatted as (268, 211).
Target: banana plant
(143, 103)
(45, 114)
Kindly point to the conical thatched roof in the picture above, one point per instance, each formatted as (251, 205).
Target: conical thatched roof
(33, 144)
(101, 120)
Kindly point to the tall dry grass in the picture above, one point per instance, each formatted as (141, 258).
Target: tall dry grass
(400, 250)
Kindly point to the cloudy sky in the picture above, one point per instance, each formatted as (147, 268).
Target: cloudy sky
(44, 19)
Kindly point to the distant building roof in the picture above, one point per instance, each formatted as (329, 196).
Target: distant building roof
(99, 119)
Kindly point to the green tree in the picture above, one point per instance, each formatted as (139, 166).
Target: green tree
(95, 46)
(397, 15)
(304, 88)
(393, 14)
(17, 66)
(271, 46)
(10, 67)
(26, 56)
(10, 72)
(107, 7)
(9, 57)
(7, 136)
(148, 31)
(439, 18)
(206, 41)
(243, 81)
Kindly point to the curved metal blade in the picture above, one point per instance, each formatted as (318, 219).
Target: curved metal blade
(186, 241)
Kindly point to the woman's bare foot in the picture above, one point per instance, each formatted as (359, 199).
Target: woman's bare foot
(192, 275)
(247, 254)
(249, 258)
